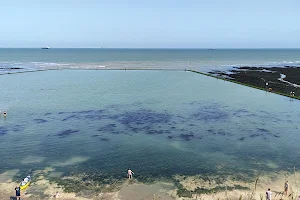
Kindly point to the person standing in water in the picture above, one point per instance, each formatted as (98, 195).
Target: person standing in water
(129, 173)
(18, 192)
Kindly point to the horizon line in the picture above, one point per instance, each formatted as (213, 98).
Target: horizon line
(200, 48)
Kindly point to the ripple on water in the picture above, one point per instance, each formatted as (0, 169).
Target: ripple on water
(40, 121)
(3, 130)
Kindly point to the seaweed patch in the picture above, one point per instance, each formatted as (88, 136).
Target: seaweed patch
(262, 130)
(167, 131)
(240, 112)
(242, 138)
(187, 137)
(67, 132)
(95, 135)
(108, 128)
(86, 114)
(143, 116)
(224, 133)
(155, 132)
(70, 117)
(210, 113)
(255, 135)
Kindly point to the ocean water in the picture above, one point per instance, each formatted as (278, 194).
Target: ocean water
(18, 60)
(159, 123)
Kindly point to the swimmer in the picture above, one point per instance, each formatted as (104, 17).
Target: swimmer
(4, 113)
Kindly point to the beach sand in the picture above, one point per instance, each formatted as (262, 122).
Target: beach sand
(134, 190)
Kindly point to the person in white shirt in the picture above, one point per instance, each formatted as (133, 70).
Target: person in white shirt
(268, 195)
(129, 173)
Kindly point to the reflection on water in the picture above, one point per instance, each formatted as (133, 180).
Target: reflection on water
(157, 123)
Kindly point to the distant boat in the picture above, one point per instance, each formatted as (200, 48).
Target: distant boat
(212, 49)
(45, 47)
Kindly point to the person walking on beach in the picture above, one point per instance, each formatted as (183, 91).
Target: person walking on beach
(18, 192)
(286, 187)
(268, 195)
(129, 173)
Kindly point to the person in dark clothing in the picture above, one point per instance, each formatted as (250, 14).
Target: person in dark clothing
(18, 192)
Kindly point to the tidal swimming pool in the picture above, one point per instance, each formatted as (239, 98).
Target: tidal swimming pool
(158, 123)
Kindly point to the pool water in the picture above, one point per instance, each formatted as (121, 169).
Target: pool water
(158, 123)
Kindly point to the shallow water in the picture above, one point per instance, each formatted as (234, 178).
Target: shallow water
(158, 123)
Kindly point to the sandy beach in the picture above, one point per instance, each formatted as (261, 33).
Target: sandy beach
(197, 186)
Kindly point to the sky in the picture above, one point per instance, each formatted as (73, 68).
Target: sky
(150, 23)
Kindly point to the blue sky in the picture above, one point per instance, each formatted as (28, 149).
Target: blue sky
(150, 23)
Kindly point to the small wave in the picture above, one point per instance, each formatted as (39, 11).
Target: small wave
(283, 63)
(18, 67)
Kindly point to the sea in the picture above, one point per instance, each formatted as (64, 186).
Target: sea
(12, 60)
(64, 115)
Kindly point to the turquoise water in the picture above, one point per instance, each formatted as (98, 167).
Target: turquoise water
(198, 59)
(159, 123)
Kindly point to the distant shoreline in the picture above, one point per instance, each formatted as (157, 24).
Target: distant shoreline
(155, 48)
